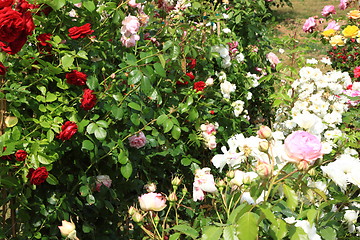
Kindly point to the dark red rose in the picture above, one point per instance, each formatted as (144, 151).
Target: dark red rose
(2, 69)
(212, 112)
(20, 155)
(190, 75)
(37, 176)
(199, 86)
(182, 82)
(192, 62)
(43, 39)
(23, 6)
(89, 99)
(12, 24)
(6, 3)
(15, 46)
(29, 23)
(80, 32)
(67, 130)
(76, 78)
(7, 157)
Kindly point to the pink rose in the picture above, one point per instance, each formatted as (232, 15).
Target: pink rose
(152, 202)
(103, 180)
(302, 146)
(132, 3)
(130, 41)
(357, 72)
(327, 10)
(309, 24)
(273, 59)
(203, 182)
(343, 4)
(137, 141)
(332, 25)
(131, 25)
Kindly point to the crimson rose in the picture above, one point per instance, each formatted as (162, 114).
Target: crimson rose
(76, 78)
(67, 130)
(2, 69)
(80, 32)
(6, 3)
(20, 155)
(199, 86)
(37, 176)
(89, 99)
(12, 24)
(190, 75)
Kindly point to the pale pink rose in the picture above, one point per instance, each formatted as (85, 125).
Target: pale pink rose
(327, 10)
(137, 141)
(208, 128)
(103, 180)
(302, 146)
(152, 201)
(67, 229)
(132, 3)
(211, 142)
(203, 182)
(343, 4)
(352, 93)
(332, 25)
(131, 25)
(273, 59)
(309, 24)
(129, 41)
(78, 5)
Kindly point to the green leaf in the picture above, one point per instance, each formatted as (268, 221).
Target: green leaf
(174, 236)
(82, 54)
(82, 125)
(238, 212)
(328, 233)
(50, 97)
(161, 119)
(16, 133)
(268, 214)
(299, 234)
(167, 45)
(230, 233)
(168, 125)
(50, 135)
(134, 106)
(51, 179)
(90, 199)
(211, 232)
(117, 112)
(247, 226)
(135, 76)
(102, 123)
(86, 227)
(109, 206)
(7, 181)
(131, 59)
(159, 69)
(92, 82)
(311, 215)
(45, 158)
(162, 60)
(187, 230)
(100, 133)
(89, 5)
(84, 190)
(126, 170)
(88, 145)
(279, 230)
(291, 197)
(135, 119)
(55, 4)
(67, 61)
(90, 129)
(175, 51)
(176, 132)
(122, 158)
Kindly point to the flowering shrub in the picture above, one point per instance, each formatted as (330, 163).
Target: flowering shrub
(98, 96)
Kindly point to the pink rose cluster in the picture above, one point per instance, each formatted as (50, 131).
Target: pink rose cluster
(131, 25)
(309, 25)
(208, 132)
(137, 140)
(327, 10)
(273, 59)
(352, 93)
(203, 182)
(302, 148)
(343, 4)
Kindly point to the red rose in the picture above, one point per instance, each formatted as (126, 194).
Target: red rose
(23, 6)
(29, 23)
(190, 75)
(199, 86)
(76, 78)
(44, 38)
(67, 130)
(15, 46)
(37, 176)
(212, 112)
(182, 82)
(20, 155)
(357, 72)
(2, 69)
(80, 32)
(12, 24)
(89, 99)
(192, 62)
(6, 3)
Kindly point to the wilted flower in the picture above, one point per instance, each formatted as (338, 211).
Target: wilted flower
(103, 180)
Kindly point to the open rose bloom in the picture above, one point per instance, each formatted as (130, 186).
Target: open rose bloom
(303, 148)
(203, 182)
(152, 201)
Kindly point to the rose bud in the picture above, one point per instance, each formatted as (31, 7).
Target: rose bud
(172, 197)
(68, 229)
(150, 187)
(264, 146)
(137, 217)
(264, 132)
(263, 169)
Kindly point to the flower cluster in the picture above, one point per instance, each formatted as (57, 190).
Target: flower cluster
(203, 183)
(208, 132)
